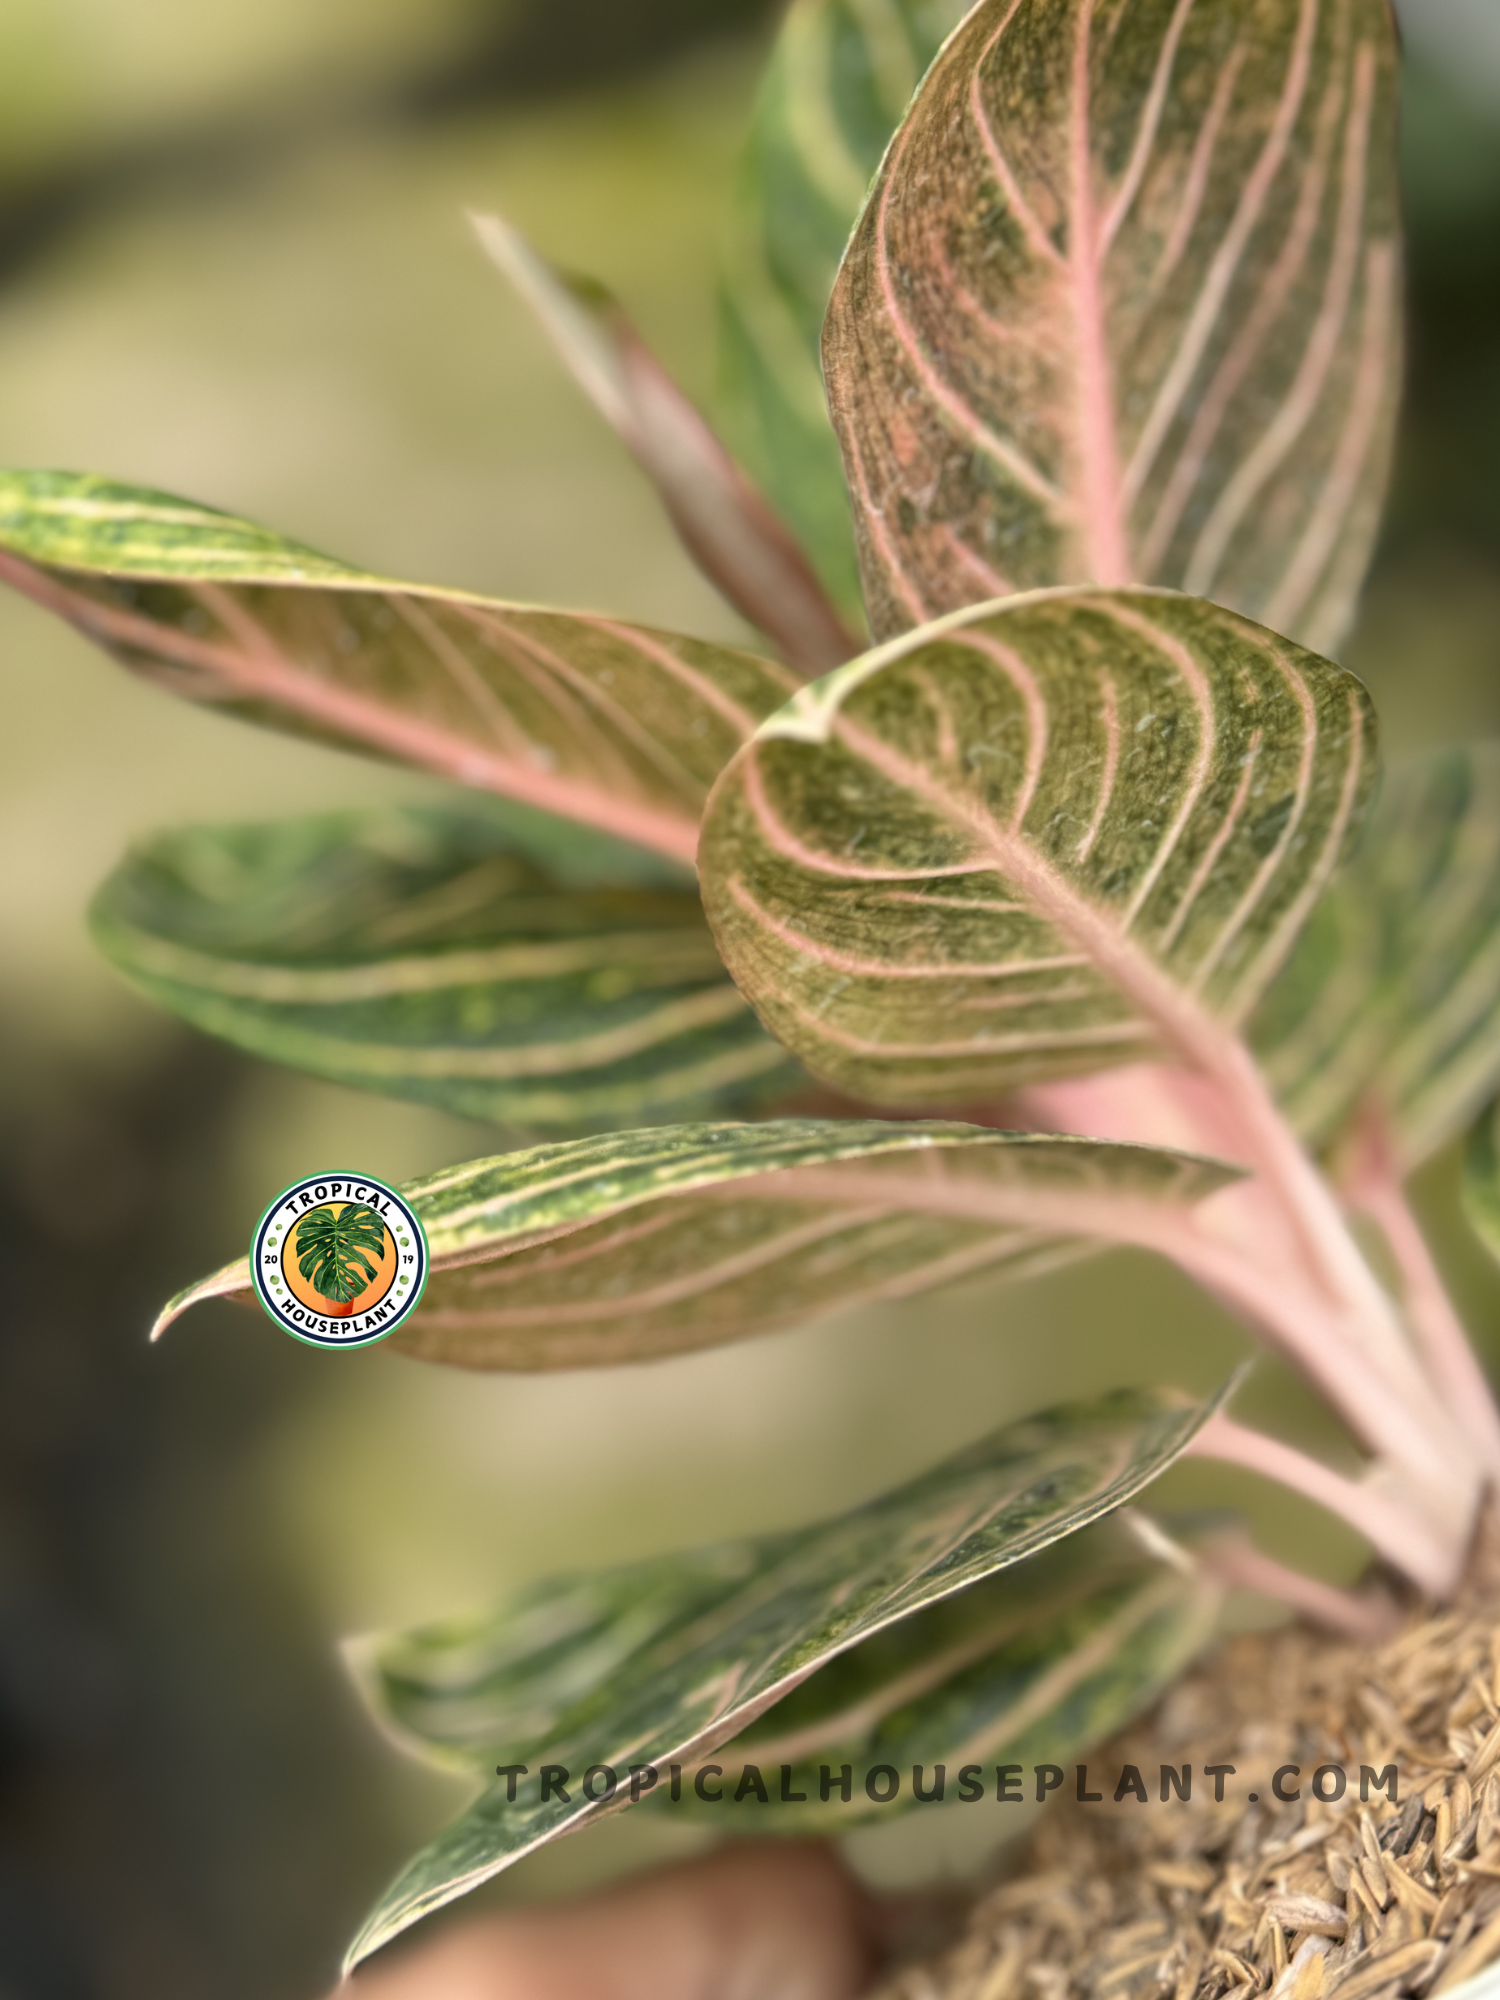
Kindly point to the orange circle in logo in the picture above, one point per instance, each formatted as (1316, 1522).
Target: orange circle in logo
(301, 1288)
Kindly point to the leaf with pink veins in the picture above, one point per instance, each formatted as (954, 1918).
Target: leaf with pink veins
(612, 724)
(1122, 307)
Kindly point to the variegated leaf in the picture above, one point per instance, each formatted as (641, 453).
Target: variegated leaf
(724, 522)
(427, 955)
(616, 725)
(1033, 840)
(599, 1251)
(1122, 307)
(1030, 1666)
(1394, 989)
(665, 1661)
(840, 77)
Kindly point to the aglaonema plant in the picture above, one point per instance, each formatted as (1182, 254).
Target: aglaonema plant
(1067, 916)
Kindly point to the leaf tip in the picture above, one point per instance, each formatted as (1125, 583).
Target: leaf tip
(232, 1282)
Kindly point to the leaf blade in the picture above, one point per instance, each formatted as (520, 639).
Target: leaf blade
(615, 725)
(1032, 840)
(837, 83)
(1055, 1653)
(706, 1670)
(1480, 1187)
(434, 955)
(600, 1251)
(1394, 989)
(1121, 308)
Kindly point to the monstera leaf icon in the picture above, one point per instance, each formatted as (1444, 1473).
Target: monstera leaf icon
(331, 1247)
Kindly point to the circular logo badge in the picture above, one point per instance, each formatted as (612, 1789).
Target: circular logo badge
(339, 1260)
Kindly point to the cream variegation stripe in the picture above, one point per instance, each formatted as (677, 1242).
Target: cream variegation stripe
(667, 955)
(821, 145)
(1072, 1671)
(839, 79)
(892, 60)
(563, 1056)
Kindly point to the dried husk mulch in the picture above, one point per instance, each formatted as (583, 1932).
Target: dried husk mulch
(1302, 1901)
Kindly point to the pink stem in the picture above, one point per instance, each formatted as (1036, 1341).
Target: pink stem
(1296, 1274)
(1313, 1211)
(1318, 1340)
(1396, 1532)
(1245, 1568)
(1373, 1185)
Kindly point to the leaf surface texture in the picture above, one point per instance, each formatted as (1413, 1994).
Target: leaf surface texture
(1070, 832)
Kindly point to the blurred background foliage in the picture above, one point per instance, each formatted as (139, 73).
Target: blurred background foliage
(233, 263)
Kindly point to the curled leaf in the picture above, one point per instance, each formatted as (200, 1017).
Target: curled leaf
(1062, 834)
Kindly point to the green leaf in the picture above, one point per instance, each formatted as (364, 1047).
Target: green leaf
(723, 520)
(599, 1251)
(1394, 989)
(331, 1245)
(1033, 840)
(428, 955)
(839, 79)
(665, 1661)
(1481, 1181)
(1029, 1666)
(616, 725)
(1122, 307)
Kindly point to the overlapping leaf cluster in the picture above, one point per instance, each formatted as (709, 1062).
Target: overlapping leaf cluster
(1115, 322)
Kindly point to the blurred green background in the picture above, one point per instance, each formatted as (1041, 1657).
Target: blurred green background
(233, 263)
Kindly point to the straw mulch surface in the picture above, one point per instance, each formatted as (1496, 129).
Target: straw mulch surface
(1302, 1901)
